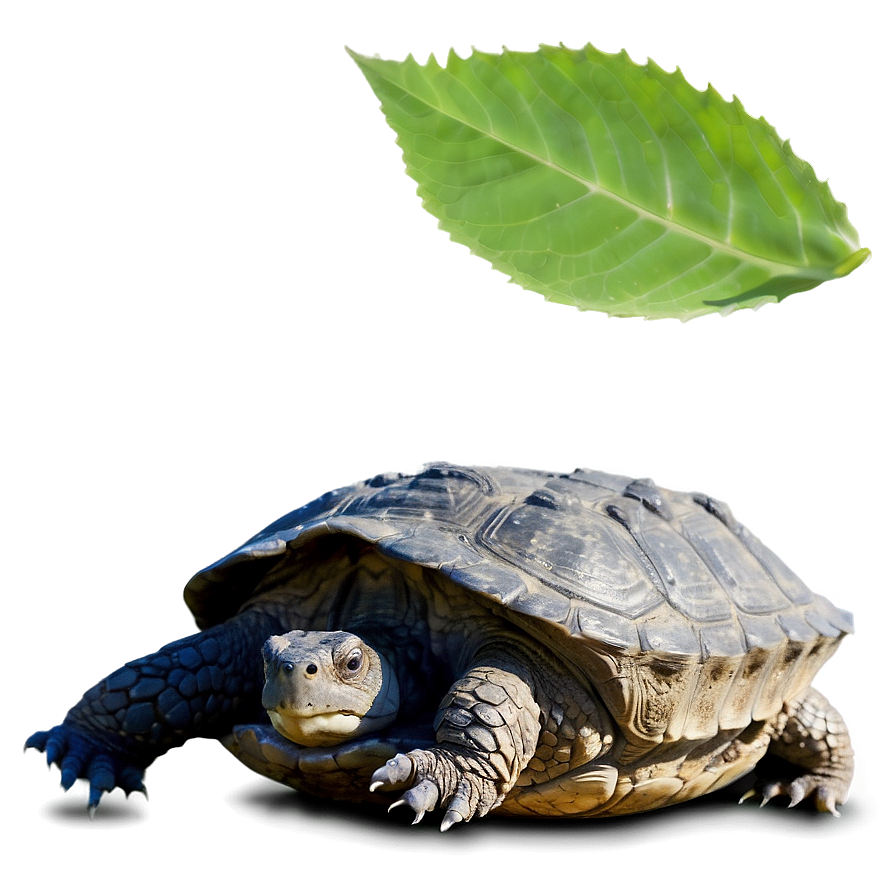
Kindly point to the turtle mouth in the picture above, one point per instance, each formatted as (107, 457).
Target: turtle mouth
(321, 729)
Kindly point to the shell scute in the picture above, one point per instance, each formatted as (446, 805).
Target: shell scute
(653, 498)
(430, 546)
(787, 582)
(722, 639)
(610, 483)
(823, 623)
(722, 551)
(612, 629)
(447, 494)
(665, 630)
(581, 555)
(688, 583)
(761, 632)
(501, 583)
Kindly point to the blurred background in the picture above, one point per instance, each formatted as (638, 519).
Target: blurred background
(221, 297)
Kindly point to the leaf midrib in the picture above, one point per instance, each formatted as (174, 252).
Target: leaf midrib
(715, 244)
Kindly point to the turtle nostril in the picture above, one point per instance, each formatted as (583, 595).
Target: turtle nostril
(311, 669)
(288, 667)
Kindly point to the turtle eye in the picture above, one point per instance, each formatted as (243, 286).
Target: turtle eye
(353, 663)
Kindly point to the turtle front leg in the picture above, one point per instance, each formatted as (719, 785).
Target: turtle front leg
(199, 686)
(812, 735)
(487, 730)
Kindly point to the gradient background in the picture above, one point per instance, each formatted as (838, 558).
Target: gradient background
(221, 297)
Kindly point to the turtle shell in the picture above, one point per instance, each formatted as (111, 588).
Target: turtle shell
(682, 620)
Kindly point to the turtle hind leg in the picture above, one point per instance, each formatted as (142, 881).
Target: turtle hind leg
(812, 736)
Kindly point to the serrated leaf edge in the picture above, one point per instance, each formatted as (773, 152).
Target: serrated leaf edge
(850, 263)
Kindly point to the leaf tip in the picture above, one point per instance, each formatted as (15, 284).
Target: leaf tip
(360, 58)
(860, 256)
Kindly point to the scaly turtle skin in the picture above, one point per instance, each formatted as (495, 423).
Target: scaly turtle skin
(480, 640)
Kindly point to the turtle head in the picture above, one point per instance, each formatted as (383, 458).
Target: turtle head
(323, 688)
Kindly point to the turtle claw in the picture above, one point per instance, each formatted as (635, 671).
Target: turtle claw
(826, 801)
(828, 792)
(54, 752)
(797, 792)
(403, 802)
(36, 742)
(451, 818)
(422, 799)
(397, 771)
(101, 775)
(96, 794)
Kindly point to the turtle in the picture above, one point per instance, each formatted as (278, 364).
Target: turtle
(467, 641)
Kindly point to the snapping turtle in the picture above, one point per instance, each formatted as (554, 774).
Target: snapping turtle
(488, 639)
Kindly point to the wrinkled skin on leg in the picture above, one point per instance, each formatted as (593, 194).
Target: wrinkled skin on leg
(487, 730)
(492, 727)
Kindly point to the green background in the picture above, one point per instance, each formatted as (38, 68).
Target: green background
(221, 298)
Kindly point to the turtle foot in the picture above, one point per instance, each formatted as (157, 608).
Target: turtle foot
(828, 792)
(80, 756)
(439, 778)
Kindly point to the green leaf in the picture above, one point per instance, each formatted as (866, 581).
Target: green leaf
(610, 185)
